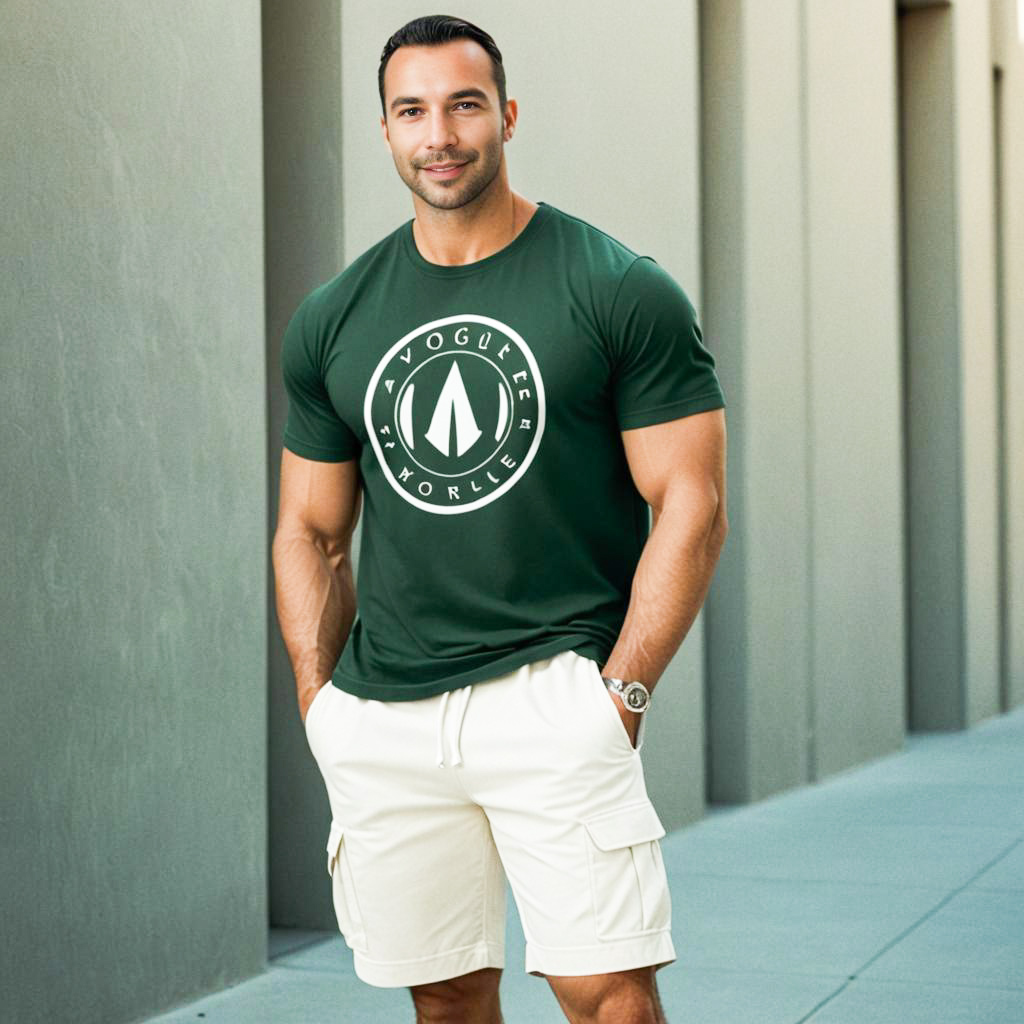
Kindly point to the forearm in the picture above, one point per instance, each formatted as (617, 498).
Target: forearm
(669, 587)
(316, 604)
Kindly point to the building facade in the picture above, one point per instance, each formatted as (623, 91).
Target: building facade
(837, 184)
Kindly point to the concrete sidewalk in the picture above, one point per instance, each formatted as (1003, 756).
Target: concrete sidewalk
(889, 894)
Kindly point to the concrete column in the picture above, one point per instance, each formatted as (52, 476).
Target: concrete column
(759, 650)
(303, 170)
(1008, 38)
(132, 540)
(976, 258)
(806, 660)
(952, 408)
(855, 444)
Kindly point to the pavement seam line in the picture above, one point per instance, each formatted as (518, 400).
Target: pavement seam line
(934, 910)
(824, 1002)
(913, 927)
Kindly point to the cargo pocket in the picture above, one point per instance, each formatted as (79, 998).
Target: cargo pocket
(346, 904)
(627, 874)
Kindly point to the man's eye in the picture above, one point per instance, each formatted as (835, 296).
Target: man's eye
(408, 110)
(466, 103)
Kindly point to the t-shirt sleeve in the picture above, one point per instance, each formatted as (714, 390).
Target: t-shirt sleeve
(313, 429)
(661, 369)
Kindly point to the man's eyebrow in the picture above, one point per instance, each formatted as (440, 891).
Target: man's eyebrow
(462, 94)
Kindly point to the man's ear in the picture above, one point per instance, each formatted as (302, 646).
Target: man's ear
(511, 115)
(384, 132)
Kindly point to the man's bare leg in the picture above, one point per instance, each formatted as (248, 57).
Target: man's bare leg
(625, 997)
(469, 999)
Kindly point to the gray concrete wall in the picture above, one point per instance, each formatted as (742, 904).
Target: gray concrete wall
(800, 246)
(951, 362)
(933, 412)
(1008, 34)
(132, 794)
(976, 259)
(754, 275)
(854, 358)
(304, 225)
(580, 114)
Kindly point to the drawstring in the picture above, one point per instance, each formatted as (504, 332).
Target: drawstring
(458, 728)
(457, 750)
(440, 729)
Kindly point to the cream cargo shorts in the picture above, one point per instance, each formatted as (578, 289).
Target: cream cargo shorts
(529, 776)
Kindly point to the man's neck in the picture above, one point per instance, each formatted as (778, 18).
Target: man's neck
(452, 238)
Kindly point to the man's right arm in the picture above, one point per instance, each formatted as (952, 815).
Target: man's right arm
(312, 556)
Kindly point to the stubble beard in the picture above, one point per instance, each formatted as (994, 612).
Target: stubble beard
(477, 178)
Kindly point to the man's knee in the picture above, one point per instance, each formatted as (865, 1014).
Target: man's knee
(624, 997)
(468, 999)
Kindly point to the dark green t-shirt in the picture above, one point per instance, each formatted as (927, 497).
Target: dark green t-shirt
(484, 403)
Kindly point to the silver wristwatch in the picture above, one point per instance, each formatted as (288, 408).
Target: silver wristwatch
(635, 696)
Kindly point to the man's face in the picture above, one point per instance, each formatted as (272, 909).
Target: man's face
(444, 123)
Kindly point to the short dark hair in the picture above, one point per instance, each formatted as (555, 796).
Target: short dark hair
(435, 30)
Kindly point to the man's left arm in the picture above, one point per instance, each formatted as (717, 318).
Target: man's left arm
(679, 469)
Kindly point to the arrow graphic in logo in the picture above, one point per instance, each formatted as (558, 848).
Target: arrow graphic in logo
(453, 405)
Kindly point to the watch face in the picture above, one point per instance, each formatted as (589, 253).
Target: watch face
(636, 697)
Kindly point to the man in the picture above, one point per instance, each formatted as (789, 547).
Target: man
(509, 388)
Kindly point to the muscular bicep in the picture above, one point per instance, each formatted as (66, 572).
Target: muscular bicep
(319, 499)
(681, 461)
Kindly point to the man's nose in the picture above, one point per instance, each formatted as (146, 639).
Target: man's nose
(440, 133)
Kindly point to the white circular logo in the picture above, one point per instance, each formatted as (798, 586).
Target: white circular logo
(455, 413)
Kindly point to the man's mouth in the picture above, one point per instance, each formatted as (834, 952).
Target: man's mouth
(446, 170)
